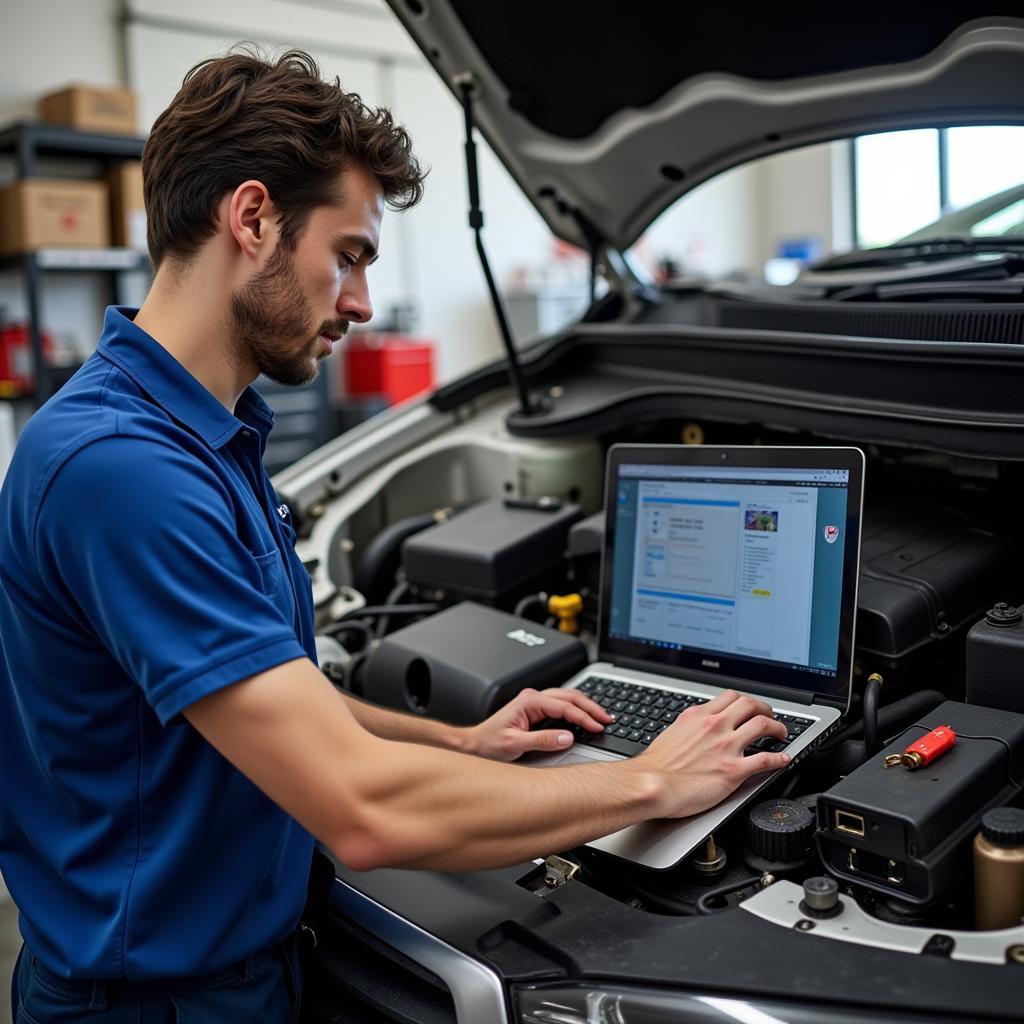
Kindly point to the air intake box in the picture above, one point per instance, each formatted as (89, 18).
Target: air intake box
(495, 552)
(466, 662)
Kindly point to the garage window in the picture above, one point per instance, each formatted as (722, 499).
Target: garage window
(911, 180)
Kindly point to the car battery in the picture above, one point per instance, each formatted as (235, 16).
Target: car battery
(464, 663)
(495, 552)
(907, 833)
(926, 574)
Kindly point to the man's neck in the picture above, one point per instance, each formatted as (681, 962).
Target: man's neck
(186, 313)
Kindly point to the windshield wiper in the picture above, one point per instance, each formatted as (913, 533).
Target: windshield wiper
(923, 250)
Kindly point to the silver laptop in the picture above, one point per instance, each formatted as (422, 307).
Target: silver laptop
(723, 568)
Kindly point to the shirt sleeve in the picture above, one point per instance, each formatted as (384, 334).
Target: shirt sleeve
(138, 540)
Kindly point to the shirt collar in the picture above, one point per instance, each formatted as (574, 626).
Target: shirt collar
(172, 387)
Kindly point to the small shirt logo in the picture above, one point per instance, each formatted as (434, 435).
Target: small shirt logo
(527, 639)
(831, 534)
(284, 512)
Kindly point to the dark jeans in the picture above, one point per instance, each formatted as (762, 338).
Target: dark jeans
(266, 988)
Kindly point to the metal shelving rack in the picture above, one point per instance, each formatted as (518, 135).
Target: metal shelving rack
(28, 141)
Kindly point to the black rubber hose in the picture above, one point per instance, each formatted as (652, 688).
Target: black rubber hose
(396, 596)
(723, 890)
(892, 718)
(375, 575)
(351, 626)
(850, 754)
(847, 757)
(872, 692)
(540, 600)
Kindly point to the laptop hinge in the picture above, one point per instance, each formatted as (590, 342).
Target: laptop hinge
(714, 679)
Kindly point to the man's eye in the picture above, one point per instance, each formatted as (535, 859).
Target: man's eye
(348, 259)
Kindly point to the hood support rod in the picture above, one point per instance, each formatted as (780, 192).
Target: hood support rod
(476, 221)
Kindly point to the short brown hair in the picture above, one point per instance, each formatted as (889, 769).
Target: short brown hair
(241, 116)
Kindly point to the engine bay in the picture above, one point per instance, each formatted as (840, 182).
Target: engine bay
(413, 555)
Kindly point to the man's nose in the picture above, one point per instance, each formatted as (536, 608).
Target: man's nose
(354, 302)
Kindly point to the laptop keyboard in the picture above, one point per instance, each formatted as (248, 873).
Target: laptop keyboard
(644, 712)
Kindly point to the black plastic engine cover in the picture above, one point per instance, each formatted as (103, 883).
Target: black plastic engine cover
(492, 553)
(924, 572)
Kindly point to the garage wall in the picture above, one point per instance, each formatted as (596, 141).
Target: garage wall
(734, 223)
(46, 44)
(427, 254)
(730, 225)
(806, 193)
(715, 231)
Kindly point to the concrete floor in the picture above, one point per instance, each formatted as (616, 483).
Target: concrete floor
(10, 943)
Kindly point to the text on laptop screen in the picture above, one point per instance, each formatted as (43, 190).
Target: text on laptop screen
(741, 562)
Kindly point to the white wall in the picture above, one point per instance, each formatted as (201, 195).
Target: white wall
(734, 223)
(795, 198)
(48, 43)
(712, 232)
(806, 193)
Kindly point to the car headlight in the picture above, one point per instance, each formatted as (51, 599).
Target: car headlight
(590, 1004)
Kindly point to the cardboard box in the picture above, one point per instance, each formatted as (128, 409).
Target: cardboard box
(38, 213)
(127, 206)
(107, 111)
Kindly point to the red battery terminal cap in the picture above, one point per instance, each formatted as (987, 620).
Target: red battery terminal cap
(924, 750)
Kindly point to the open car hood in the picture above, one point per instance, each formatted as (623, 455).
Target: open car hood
(606, 113)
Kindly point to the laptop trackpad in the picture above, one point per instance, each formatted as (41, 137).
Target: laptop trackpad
(578, 757)
(573, 759)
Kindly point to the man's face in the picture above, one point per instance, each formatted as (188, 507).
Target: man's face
(290, 313)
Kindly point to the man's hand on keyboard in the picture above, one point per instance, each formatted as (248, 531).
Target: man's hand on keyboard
(506, 734)
(700, 756)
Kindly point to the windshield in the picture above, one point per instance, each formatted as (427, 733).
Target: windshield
(769, 219)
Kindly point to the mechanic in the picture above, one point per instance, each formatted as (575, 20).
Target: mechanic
(168, 747)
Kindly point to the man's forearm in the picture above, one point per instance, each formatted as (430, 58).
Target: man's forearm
(376, 802)
(394, 725)
(425, 808)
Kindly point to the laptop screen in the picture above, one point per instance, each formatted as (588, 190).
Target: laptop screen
(744, 568)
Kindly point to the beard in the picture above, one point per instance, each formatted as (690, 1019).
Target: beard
(270, 316)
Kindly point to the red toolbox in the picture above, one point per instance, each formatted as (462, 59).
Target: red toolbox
(394, 366)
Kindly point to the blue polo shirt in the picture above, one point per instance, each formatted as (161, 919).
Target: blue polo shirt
(145, 562)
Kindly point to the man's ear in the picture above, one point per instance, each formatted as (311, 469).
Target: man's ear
(251, 218)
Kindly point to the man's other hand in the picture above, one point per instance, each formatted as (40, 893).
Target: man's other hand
(700, 756)
(506, 734)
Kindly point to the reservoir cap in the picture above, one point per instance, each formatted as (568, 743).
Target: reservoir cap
(1003, 826)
